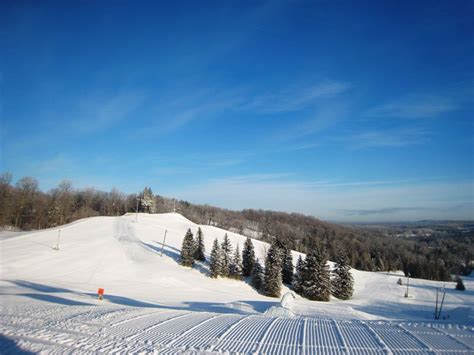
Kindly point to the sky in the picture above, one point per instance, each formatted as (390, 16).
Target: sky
(354, 111)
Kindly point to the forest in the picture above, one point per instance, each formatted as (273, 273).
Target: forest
(23, 206)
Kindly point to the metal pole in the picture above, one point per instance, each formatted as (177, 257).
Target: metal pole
(408, 284)
(163, 244)
(436, 307)
(57, 242)
(136, 214)
(441, 305)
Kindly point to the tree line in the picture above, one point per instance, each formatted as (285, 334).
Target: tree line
(25, 207)
(311, 279)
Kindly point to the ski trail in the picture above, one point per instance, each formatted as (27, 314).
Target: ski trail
(455, 338)
(223, 335)
(378, 338)
(265, 335)
(425, 345)
(190, 330)
(341, 338)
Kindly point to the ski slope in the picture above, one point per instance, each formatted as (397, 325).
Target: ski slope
(48, 299)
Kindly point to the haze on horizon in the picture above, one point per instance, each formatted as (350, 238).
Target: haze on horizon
(344, 110)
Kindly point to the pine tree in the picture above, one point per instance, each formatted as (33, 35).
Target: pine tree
(316, 278)
(298, 279)
(199, 251)
(187, 250)
(147, 201)
(226, 248)
(273, 265)
(248, 258)
(342, 284)
(257, 275)
(378, 262)
(459, 284)
(215, 262)
(287, 269)
(235, 269)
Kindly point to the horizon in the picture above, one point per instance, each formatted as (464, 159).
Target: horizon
(342, 222)
(348, 112)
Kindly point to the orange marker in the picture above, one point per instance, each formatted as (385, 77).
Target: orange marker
(100, 292)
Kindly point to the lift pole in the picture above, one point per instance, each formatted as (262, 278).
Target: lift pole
(408, 285)
(57, 241)
(163, 244)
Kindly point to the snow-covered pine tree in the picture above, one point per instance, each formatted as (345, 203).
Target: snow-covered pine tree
(342, 283)
(199, 251)
(187, 249)
(316, 278)
(257, 275)
(226, 248)
(215, 261)
(298, 278)
(273, 265)
(235, 269)
(147, 201)
(287, 269)
(248, 257)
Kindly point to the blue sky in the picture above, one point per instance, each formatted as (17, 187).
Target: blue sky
(346, 110)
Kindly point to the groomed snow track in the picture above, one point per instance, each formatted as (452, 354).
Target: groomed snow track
(110, 329)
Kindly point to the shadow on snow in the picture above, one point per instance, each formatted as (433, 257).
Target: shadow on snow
(175, 254)
(45, 294)
(10, 346)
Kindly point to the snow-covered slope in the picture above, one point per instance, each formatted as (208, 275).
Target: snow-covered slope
(124, 257)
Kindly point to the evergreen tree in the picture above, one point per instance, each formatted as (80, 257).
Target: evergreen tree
(235, 269)
(287, 269)
(187, 249)
(273, 266)
(257, 275)
(226, 248)
(248, 257)
(378, 262)
(342, 284)
(199, 251)
(316, 278)
(147, 201)
(215, 262)
(459, 284)
(298, 279)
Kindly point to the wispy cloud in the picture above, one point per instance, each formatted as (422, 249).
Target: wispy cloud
(297, 147)
(395, 138)
(229, 162)
(185, 108)
(53, 165)
(352, 202)
(99, 112)
(251, 178)
(295, 98)
(179, 110)
(324, 117)
(415, 106)
(384, 211)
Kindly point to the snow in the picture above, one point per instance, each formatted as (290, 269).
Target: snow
(151, 303)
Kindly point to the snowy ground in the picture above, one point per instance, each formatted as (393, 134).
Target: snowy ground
(48, 300)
